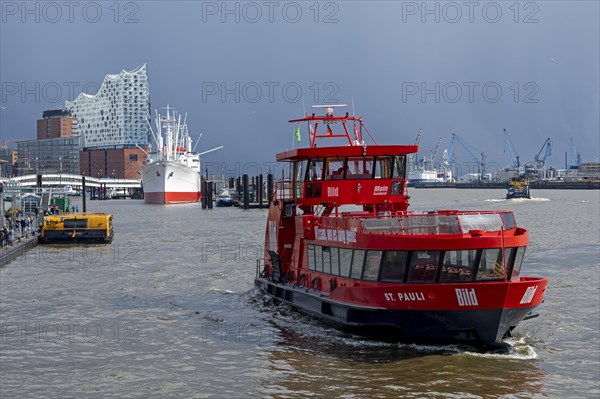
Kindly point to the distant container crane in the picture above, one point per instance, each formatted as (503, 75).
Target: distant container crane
(511, 150)
(481, 163)
(576, 156)
(539, 161)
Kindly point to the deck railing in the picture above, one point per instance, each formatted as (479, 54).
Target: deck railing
(439, 223)
(287, 189)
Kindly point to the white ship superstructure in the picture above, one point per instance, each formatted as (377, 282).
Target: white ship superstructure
(172, 174)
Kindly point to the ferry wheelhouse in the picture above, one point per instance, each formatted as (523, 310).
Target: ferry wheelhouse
(340, 244)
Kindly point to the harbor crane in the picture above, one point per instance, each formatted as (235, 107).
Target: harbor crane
(576, 156)
(471, 152)
(547, 149)
(413, 160)
(511, 150)
(433, 153)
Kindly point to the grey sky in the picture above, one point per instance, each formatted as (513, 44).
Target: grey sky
(543, 56)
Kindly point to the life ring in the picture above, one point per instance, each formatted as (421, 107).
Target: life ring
(300, 281)
(332, 285)
(315, 283)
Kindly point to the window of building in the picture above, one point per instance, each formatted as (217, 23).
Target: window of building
(393, 265)
(133, 157)
(423, 266)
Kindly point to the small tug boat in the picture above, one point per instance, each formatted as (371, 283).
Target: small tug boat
(88, 227)
(517, 187)
(225, 199)
(340, 244)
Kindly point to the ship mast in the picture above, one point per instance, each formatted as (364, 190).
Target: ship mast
(329, 120)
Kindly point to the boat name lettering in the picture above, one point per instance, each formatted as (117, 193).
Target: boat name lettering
(335, 235)
(333, 191)
(528, 296)
(380, 190)
(466, 297)
(405, 296)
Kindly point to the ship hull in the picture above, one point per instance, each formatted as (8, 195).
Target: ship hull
(479, 326)
(168, 182)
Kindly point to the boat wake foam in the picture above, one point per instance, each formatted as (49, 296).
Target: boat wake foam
(522, 351)
(517, 200)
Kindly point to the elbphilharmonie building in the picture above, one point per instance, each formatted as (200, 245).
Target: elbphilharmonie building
(118, 114)
(114, 125)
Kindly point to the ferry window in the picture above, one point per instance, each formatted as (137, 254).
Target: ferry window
(311, 257)
(75, 223)
(357, 263)
(318, 259)
(300, 170)
(334, 169)
(509, 220)
(396, 188)
(313, 190)
(383, 168)
(458, 266)
(423, 266)
(360, 168)
(315, 169)
(519, 253)
(491, 266)
(400, 167)
(393, 265)
(327, 260)
(372, 262)
(345, 261)
(335, 262)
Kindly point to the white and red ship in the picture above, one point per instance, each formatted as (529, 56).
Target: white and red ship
(172, 174)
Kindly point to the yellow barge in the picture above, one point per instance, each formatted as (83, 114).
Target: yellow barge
(89, 227)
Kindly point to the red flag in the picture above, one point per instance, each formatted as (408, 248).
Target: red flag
(329, 132)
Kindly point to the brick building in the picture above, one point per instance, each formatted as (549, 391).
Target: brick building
(118, 163)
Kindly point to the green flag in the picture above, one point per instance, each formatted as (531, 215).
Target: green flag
(297, 133)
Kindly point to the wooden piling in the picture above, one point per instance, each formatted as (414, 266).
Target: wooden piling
(83, 193)
(269, 188)
(260, 191)
(246, 193)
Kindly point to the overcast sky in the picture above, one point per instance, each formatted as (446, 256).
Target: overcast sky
(242, 69)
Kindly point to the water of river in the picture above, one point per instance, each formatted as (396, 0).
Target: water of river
(168, 310)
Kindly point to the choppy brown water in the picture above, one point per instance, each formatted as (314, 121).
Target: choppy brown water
(168, 310)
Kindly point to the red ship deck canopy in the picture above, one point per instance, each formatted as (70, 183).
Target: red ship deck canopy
(346, 151)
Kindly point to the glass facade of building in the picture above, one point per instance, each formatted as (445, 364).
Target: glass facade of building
(118, 115)
(60, 155)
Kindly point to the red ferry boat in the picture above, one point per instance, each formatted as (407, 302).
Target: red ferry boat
(341, 244)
